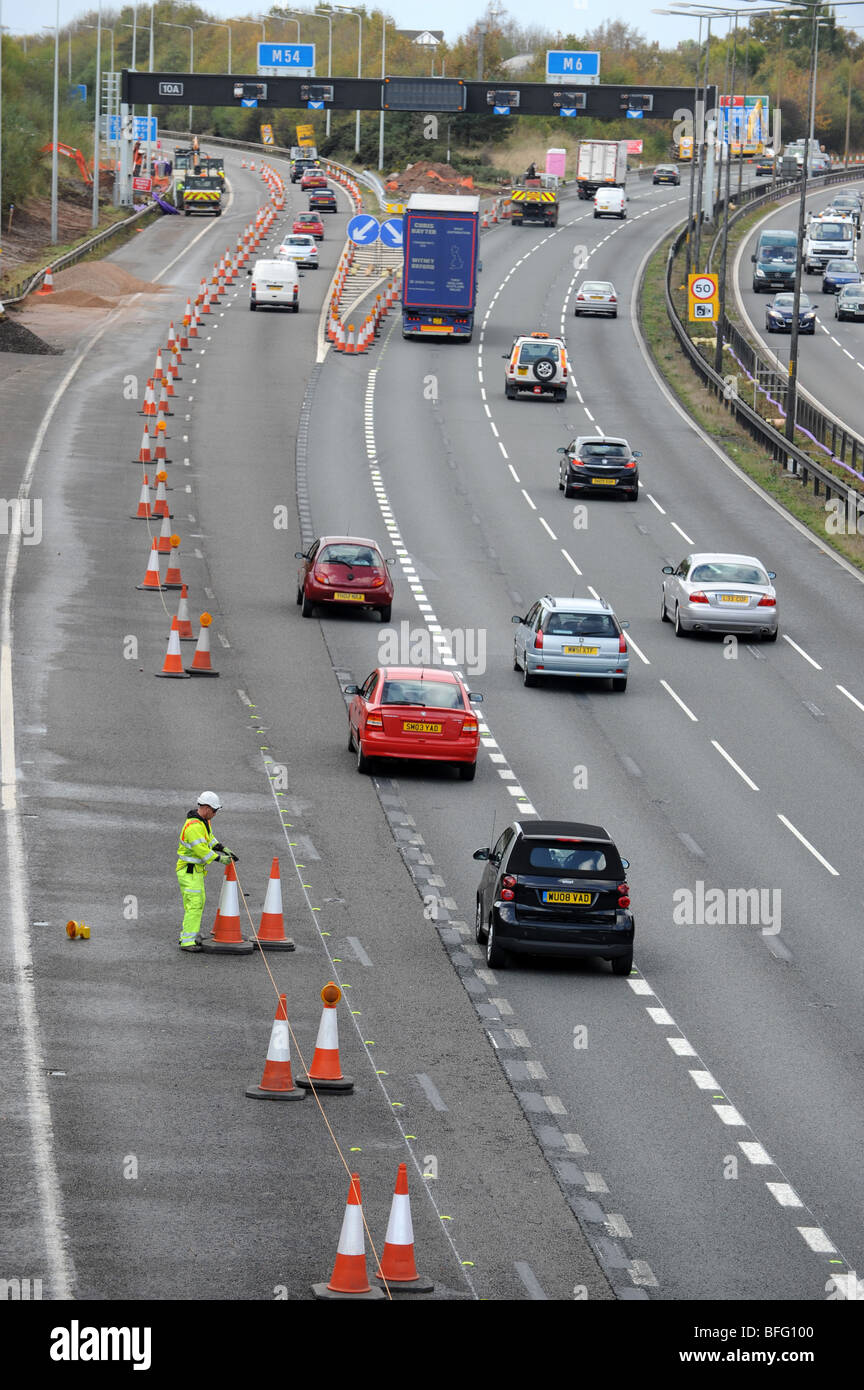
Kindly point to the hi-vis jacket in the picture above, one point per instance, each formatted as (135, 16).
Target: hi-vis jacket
(195, 850)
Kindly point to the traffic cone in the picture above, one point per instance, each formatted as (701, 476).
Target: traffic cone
(243, 163)
(205, 302)
(149, 406)
(195, 323)
(397, 1268)
(185, 325)
(158, 373)
(277, 1083)
(350, 340)
(161, 449)
(271, 931)
(184, 626)
(152, 579)
(172, 574)
(171, 342)
(163, 401)
(160, 506)
(339, 344)
(168, 387)
(174, 365)
(173, 666)
(47, 283)
(226, 937)
(350, 1278)
(326, 1069)
(201, 660)
(163, 541)
(143, 513)
(485, 223)
(144, 454)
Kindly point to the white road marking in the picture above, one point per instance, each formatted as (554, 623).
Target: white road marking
(516, 478)
(677, 528)
(571, 562)
(728, 1114)
(844, 691)
(528, 500)
(800, 651)
(783, 1193)
(641, 655)
(704, 1080)
(679, 701)
(732, 763)
(660, 509)
(807, 845)
(817, 1240)
(754, 1152)
(547, 527)
(681, 1047)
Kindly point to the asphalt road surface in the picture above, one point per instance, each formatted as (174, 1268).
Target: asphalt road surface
(690, 1133)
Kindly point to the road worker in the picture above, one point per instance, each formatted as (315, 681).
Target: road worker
(197, 849)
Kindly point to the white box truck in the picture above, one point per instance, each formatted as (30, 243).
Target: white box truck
(600, 164)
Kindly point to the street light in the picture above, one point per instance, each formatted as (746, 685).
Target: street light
(322, 14)
(383, 74)
(343, 9)
(214, 25)
(191, 30)
(105, 30)
(54, 126)
(268, 18)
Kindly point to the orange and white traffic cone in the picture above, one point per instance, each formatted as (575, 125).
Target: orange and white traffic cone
(152, 580)
(144, 454)
(277, 1083)
(185, 325)
(184, 626)
(173, 578)
(350, 1278)
(271, 931)
(149, 405)
(227, 938)
(201, 665)
(143, 513)
(161, 454)
(47, 283)
(350, 340)
(205, 302)
(325, 1073)
(163, 401)
(173, 666)
(158, 373)
(174, 364)
(195, 324)
(160, 506)
(397, 1268)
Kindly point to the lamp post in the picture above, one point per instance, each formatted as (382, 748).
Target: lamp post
(191, 30)
(54, 127)
(820, 25)
(689, 242)
(323, 14)
(343, 9)
(94, 221)
(383, 75)
(105, 30)
(214, 25)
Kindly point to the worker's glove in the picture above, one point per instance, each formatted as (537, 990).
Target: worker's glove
(219, 848)
(235, 858)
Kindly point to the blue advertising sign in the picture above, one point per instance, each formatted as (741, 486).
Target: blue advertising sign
(392, 232)
(563, 65)
(440, 260)
(276, 58)
(363, 229)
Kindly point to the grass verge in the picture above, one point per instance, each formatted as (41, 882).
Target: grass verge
(716, 420)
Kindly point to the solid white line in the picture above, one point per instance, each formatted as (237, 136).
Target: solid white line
(528, 500)
(677, 528)
(641, 655)
(572, 563)
(800, 651)
(844, 691)
(732, 763)
(807, 845)
(679, 701)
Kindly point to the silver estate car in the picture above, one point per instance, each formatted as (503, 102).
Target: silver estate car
(713, 592)
(571, 637)
(596, 297)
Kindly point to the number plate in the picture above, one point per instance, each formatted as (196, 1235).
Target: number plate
(734, 598)
(413, 726)
(348, 598)
(554, 896)
(581, 651)
(603, 482)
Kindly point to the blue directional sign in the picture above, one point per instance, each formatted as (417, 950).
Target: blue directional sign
(569, 111)
(315, 106)
(249, 101)
(635, 115)
(392, 233)
(563, 65)
(500, 110)
(363, 229)
(275, 59)
(111, 128)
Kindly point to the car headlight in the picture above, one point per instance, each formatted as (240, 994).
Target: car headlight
(760, 274)
(810, 313)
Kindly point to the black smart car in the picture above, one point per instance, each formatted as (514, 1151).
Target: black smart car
(555, 888)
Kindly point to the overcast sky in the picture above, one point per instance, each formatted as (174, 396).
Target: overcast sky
(453, 16)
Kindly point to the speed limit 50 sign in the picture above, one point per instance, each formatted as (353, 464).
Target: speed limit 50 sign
(702, 298)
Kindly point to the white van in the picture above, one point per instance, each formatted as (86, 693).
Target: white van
(827, 239)
(609, 202)
(275, 283)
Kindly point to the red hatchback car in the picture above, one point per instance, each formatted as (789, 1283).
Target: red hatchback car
(310, 223)
(313, 180)
(349, 571)
(414, 712)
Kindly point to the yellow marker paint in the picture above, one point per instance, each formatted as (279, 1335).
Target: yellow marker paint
(469, 1263)
(303, 866)
(306, 885)
(446, 1218)
(317, 909)
(369, 1042)
(355, 1150)
(410, 1136)
(381, 1073)
(397, 1104)
(337, 960)
(346, 986)
(355, 1012)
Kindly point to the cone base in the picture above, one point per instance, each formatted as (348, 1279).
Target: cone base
(190, 638)
(227, 948)
(171, 675)
(151, 588)
(192, 672)
(255, 1093)
(136, 516)
(343, 1083)
(322, 1291)
(172, 586)
(419, 1285)
(286, 944)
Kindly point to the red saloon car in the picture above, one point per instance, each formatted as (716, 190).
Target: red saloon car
(348, 571)
(310, 223)
(313, 179)
(414, 712)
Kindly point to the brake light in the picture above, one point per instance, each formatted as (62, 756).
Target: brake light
(580, 296)
(766, 601)
(469, 727)
(624, 902)
(320, 576)
(507, 895)
(508, 881)
(538, 640)
(630, 464)
(699, 597)
(252, 287)
(624, 888)
(377, 580)
(622, 642)
(613, 299)
(374, 721)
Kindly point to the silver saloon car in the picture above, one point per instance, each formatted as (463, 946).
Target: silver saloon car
(714, 592)
(570, 637)
(596, 297)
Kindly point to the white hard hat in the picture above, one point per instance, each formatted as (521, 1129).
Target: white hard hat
(210, 799)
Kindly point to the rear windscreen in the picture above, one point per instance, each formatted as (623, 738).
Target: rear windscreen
(429, 694)
(558, 858)
(580, 625)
